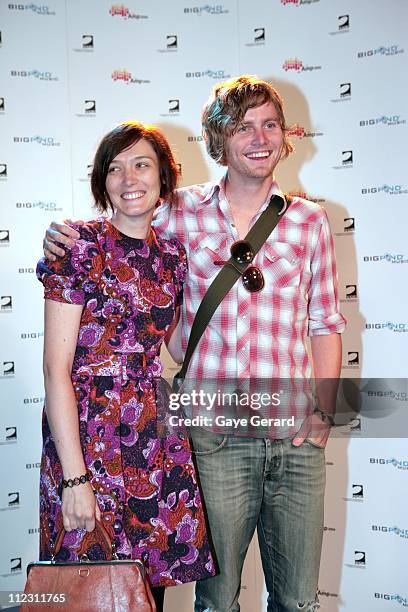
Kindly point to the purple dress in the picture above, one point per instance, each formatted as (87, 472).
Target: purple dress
(145, 484)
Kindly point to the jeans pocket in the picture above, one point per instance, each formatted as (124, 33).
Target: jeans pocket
(206, 442)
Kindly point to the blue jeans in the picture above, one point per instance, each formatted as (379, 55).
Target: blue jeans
(277, 488)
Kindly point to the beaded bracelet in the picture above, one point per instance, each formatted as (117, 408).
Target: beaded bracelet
(73, 482)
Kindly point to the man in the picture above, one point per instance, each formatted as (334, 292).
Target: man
(272, 483)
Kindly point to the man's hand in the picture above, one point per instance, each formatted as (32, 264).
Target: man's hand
(59, 232)
(314, 430)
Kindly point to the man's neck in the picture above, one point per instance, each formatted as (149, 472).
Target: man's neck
(247, 194)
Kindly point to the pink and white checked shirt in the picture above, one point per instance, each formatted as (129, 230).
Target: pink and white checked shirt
(256, 335)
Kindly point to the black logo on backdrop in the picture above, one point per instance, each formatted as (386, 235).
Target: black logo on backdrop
(344, 22)
(259, 34)
(6, 303)
(345, 90)
(357, 491)
(87, 41)
(15, 564)
(353, 358)
(174, 106)
(2, 105)
(90, 106)
(3, 170)
(179, 169)
(347, 158)
(171, 41)
(351, 292)
(8, 368)
(13, 499)
(4, 237)
(349, 224)
(359, 557)
(11, 434)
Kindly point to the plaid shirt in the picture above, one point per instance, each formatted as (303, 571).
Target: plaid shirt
(256, 335)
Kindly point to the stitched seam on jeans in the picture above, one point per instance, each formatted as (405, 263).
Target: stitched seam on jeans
(270, 558)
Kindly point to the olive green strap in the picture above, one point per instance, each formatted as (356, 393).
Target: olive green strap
(227, 277)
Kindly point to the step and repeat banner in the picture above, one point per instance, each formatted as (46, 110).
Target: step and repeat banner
(72, 69)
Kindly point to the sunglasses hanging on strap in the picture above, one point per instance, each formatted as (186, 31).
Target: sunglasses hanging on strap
(238, 266)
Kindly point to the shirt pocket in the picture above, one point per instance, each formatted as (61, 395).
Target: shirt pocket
(283, 265)
(204, 250)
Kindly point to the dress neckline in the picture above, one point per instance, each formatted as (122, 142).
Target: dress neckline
(149, 240)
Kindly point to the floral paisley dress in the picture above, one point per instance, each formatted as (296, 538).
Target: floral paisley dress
(145, 483)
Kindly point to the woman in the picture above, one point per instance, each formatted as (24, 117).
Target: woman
(109, 303)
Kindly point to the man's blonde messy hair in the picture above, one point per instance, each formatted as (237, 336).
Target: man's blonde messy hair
(226, 108)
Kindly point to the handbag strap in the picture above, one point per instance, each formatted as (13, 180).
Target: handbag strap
(103, 537)
(229, 274)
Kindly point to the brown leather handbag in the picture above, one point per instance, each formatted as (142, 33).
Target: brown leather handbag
(116, 585)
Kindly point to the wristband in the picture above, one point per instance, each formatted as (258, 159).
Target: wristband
(324, 416)
(73, 482)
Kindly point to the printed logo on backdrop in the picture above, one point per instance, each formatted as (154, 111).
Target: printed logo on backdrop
(179, 170)
(211, 74)
(3, 172)
(8, 436)
(14, 568)
(390, 530)
(357, 494)
(385, 189)
(87, 44)
(6, 303)
(298, 65)
(171, 44)
(1, 39)
(86, 179)
(33, 530)
(306, 196)
(298, 2)
(39, 9)
(393, 326)
(28, 270)
(398, 463)
(330, 529)
(34, 400)
(349, 227)
(394, 258)
(352, 428)
(198, 138)
(31, 335)
(7, 369)
(2, 106)
(33, 466)
(45, 141)
(390, 50)
(399, 396)
(126, 77)
(359, 560)
(120, 10)
(40, 205)
(323, 593)
(343, 25)
(344, 93)
(352, 361)
(88, 109)
(395, 597)
(173, 108)
(12, 503)
(258, 38)
(387, 120)
(300, 132)
(41, 75)
(346, 161)
(4, 238)
(206, 9)
(350, 294)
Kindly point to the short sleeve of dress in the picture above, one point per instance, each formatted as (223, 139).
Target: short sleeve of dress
(70, 277)
(180, 273)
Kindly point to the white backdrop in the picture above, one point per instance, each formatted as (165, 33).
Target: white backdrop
(70, 70)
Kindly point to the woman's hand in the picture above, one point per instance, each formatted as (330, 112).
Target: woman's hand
(80, 508)
(61, 233)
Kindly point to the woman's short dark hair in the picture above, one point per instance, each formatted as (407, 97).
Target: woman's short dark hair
(121, 138)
